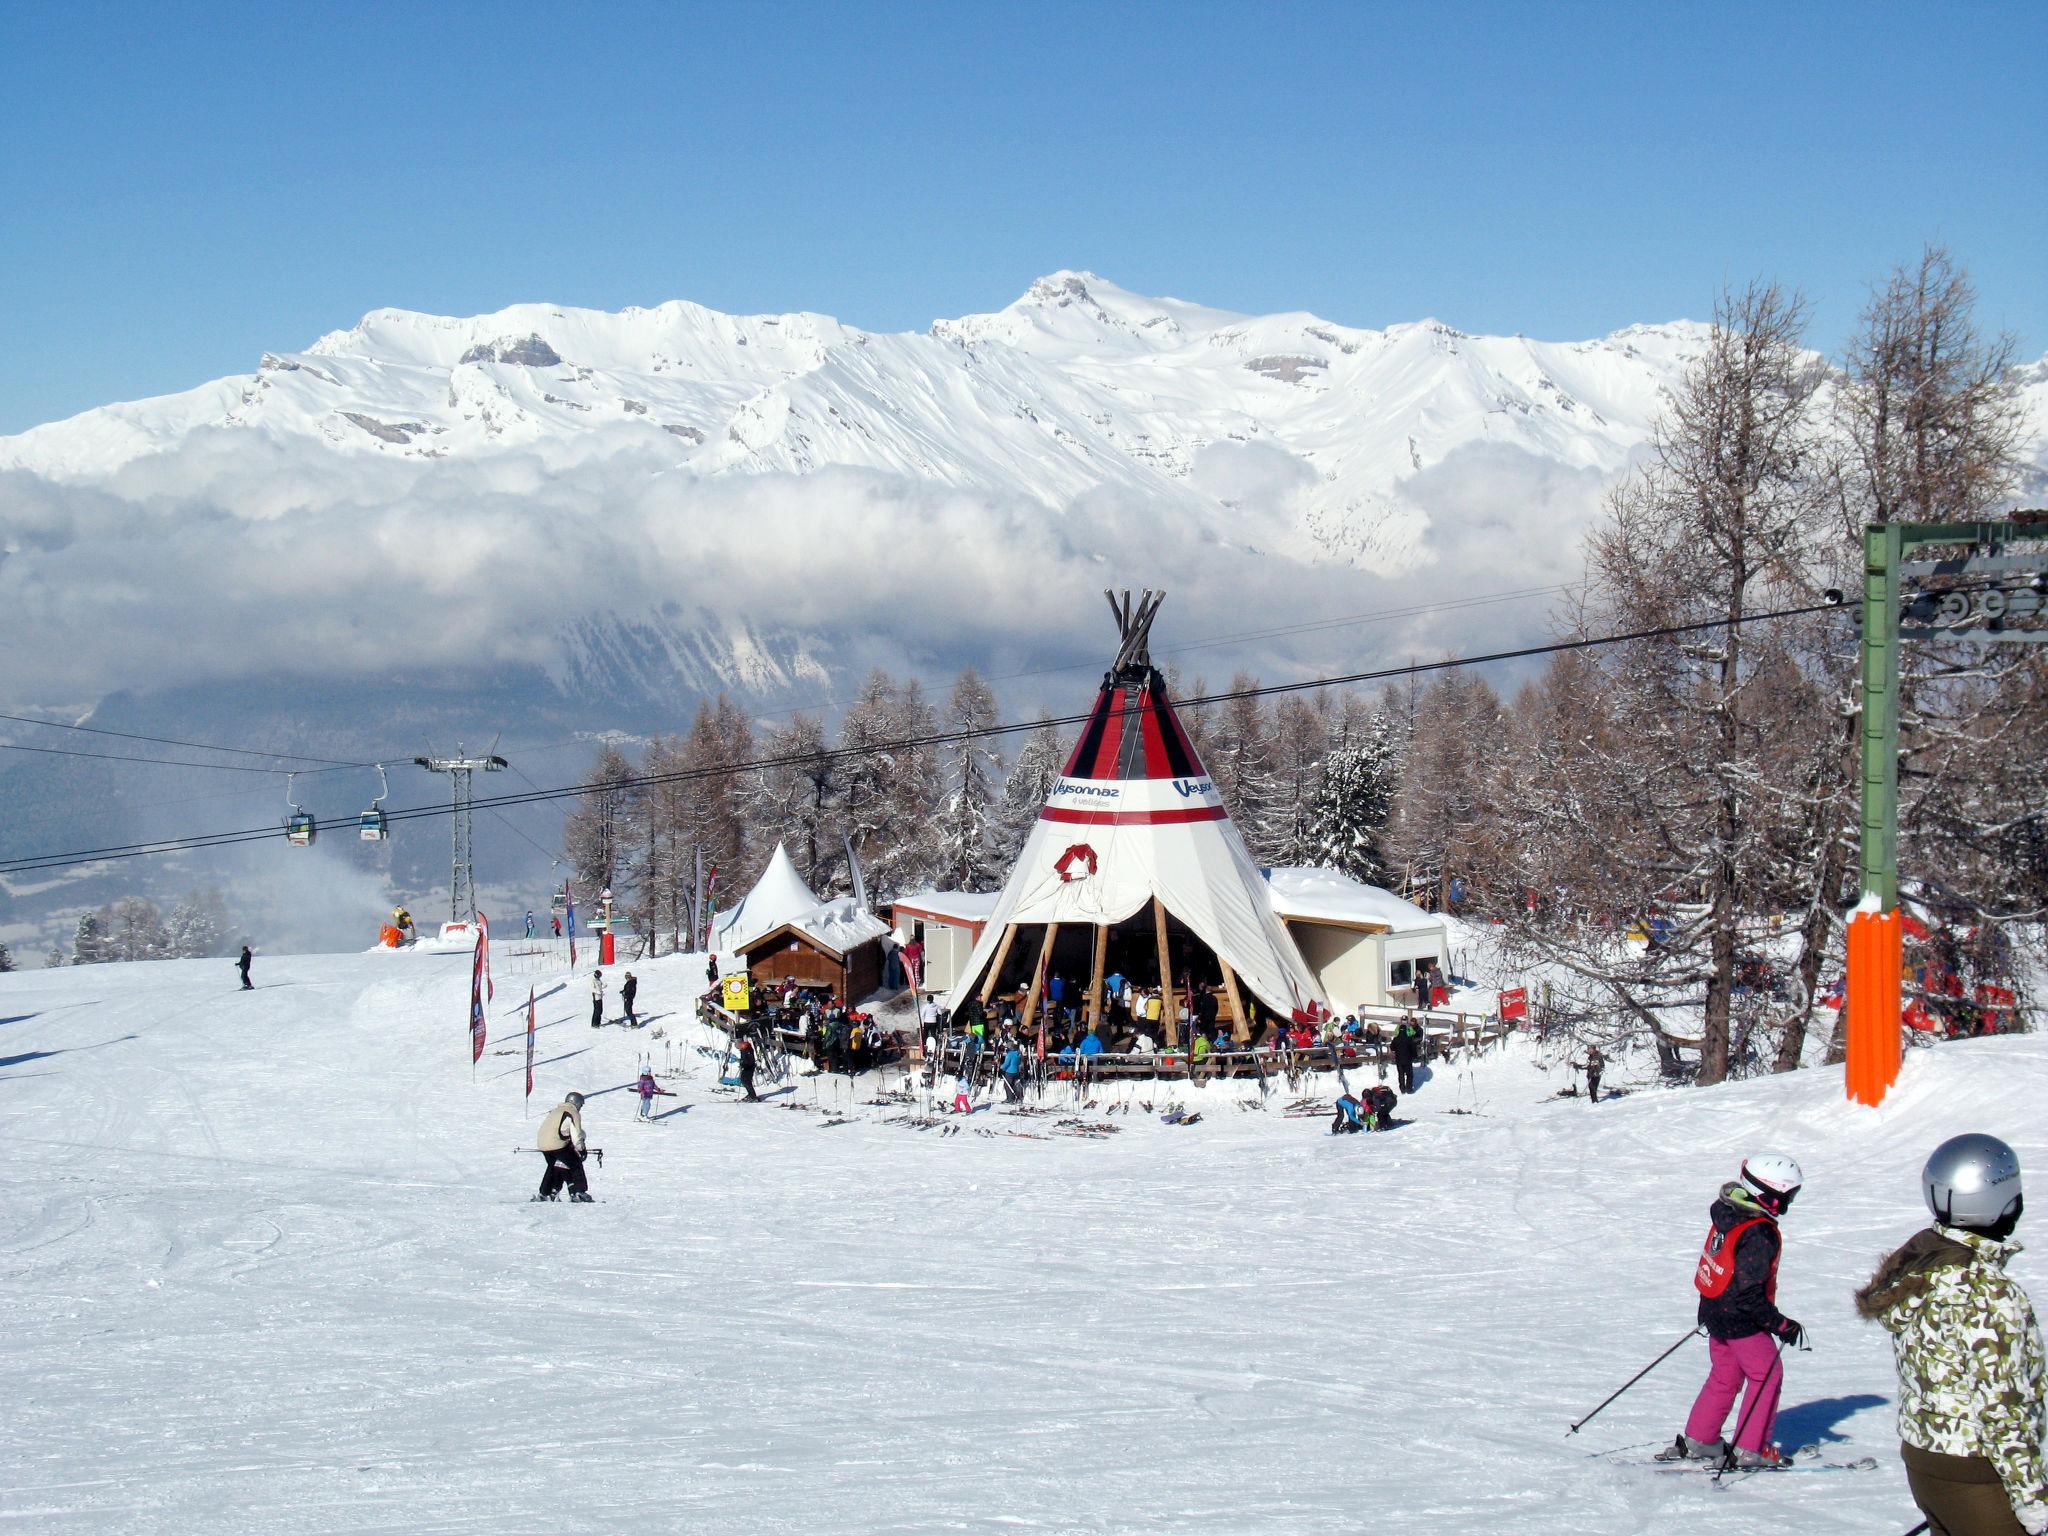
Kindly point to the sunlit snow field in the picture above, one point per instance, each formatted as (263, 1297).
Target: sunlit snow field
(269, 1266)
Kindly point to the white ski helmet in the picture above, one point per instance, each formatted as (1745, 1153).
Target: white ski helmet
(1775, 1178)
(1973, 1181)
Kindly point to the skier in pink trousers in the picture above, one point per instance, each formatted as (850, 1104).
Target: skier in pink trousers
(1737, 1279)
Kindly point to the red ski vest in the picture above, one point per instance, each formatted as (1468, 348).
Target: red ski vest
(1717, 1260)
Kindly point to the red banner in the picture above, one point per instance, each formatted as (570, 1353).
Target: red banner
(1514, 1004)
(476, 1005)
(483, 949)
(529, 1042)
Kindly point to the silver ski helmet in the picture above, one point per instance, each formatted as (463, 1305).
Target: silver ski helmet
(1973, 1181)
(573, 1100)
(1774, 1179)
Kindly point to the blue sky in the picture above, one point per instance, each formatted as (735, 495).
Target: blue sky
(184, 187)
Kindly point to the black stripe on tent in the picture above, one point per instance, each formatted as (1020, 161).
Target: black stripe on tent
(1179, 759)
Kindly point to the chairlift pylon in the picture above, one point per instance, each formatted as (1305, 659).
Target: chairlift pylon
(299, 827)
(371, 825)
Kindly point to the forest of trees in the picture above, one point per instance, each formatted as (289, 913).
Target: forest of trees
(1705, 779)
(135, 928)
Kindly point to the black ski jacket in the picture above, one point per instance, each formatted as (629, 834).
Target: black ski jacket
(1406, 1044)
(1746, 1306)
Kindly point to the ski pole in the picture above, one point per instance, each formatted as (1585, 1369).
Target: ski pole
(1754, 1393)
(1639, 1375)
(1918, 1530)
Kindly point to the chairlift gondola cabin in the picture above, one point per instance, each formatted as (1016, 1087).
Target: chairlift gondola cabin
(371, 825)
(300, 826)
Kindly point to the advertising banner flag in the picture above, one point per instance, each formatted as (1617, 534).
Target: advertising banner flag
(476, 1004)
(569, 900)
(529, 1044)
(483, 949)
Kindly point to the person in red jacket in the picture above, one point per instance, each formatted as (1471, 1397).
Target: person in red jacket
(1737, 1279)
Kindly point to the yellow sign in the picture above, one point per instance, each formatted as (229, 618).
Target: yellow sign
(736, 994)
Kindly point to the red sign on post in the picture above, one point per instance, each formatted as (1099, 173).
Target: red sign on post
(1514, 1004)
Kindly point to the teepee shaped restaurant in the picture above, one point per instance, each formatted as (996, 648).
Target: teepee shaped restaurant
(1135, 868)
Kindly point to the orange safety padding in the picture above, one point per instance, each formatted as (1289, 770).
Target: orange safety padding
(1876, 944)
(390, 937)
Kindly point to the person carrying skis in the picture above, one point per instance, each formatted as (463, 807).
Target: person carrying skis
(561, 1143)
(1406, 1046)
(626, 994)
(746, 1048)
(596, 998)
(1968, 1349)
(1737, 1278)
(242, 965)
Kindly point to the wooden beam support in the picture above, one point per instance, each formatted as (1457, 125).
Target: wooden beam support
(1240, 1027)
(1167, 1014)
(1038, 976)
(988, 984)
(1095, 980)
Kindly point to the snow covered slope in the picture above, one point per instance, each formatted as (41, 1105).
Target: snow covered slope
(269, 1267)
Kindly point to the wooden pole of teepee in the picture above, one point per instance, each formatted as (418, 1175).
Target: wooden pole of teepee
(1240, 1026)
(1167, 1014)
(1038, 976)
(988, 982)
(1095, 980)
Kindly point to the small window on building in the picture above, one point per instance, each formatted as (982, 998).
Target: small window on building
(1401, 973)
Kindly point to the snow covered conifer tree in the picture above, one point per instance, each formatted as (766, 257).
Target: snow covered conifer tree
(197, 926)
(969, 837)
(6, 960)
(1352, 804)
(88, 942)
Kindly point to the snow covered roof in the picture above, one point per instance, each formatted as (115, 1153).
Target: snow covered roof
(778, 897)
(963, 907)
(840, 925)
(1324, 895)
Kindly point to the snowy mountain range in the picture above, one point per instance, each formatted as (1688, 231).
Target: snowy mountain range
(556, 520)
(1077, 388)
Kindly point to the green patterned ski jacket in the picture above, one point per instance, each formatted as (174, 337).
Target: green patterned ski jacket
(1968, 1349)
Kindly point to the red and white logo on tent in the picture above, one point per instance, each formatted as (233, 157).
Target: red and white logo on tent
(1077, 854)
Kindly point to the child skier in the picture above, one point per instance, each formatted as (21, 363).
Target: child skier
(1737, 1279)
(648, 1090)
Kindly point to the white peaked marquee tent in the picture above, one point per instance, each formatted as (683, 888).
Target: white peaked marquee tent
(778, 897)
(1135, 864)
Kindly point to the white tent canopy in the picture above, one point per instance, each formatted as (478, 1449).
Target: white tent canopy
(779, 896)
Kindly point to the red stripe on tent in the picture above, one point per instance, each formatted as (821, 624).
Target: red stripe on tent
(1156, 765)
(1135, 818)
(1104, 766)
